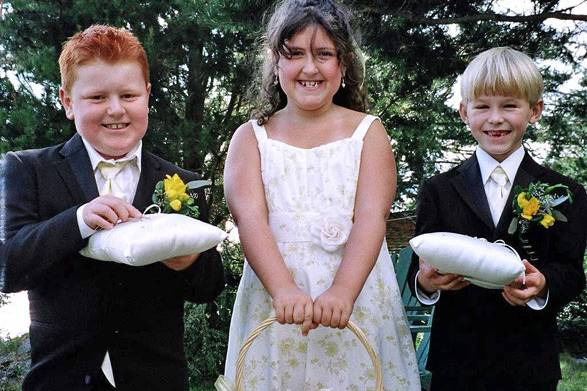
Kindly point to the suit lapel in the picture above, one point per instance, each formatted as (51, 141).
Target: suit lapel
(151, 173)
(76, 170)
(78, 176)
(470, 187)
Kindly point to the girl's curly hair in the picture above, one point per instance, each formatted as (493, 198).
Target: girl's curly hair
(291, 17)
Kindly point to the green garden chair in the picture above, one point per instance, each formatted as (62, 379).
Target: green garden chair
(419, 316)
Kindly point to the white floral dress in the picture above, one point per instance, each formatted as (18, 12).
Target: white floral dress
(310, 197)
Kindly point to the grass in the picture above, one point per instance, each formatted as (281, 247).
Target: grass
(574, 374)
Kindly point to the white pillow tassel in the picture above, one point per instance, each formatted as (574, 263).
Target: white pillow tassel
(152, 206)
(523, 274)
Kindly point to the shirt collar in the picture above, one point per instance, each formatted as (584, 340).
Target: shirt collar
(510, 165)
(95, 157)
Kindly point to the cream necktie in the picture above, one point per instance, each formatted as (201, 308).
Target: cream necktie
(498, 193)
(109, 171)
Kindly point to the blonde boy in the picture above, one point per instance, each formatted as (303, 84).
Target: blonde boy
(505, 339)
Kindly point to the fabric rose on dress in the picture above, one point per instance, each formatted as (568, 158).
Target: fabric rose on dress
(331, 232)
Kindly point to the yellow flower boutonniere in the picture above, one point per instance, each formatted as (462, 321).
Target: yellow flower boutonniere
(172, 195)
(537, 204)
(547, 221)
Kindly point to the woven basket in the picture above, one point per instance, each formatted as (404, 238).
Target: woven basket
(224, 384)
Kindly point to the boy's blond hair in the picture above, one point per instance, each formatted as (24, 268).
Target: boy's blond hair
(502, 71)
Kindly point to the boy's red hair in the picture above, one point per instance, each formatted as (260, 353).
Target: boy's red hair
(100, 42)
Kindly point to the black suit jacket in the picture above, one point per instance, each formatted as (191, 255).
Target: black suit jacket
(81, 307)
(474, 330)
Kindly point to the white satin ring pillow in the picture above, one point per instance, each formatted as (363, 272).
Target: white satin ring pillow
(485, 264)
(153, 238)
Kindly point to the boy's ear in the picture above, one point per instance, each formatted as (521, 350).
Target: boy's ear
(148, 94)
(536, 110)
(463, 112)
(66, 102)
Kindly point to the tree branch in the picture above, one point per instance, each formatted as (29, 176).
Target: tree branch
(490, 16)
(502, 18)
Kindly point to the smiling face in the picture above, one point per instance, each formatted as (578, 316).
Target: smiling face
(109, 105)
(498, 123)
(310, 74)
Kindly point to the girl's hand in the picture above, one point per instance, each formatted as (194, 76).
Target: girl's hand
(292, 305)
(333, 308)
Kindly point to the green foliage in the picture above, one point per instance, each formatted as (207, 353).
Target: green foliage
(205, 344)
(567, 133)
(572, 325)
(573, 333)
(207, 386)
(206, 326)
(14, 356)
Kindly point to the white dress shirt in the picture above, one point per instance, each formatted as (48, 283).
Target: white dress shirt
(127, 179)
(486, 165)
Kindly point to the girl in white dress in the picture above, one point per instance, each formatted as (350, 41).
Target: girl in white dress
(310, 182)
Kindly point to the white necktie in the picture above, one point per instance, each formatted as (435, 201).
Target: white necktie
(498, 193)
(109, 171)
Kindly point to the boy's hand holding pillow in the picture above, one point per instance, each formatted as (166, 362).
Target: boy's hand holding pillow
(486, 264)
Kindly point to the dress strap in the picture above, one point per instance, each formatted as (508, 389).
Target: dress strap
(364, 125)
(259, 130)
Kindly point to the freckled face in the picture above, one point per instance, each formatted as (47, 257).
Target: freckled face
(109, 105)
(310, 74)
(498, 123)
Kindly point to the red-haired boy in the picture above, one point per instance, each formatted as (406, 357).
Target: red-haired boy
(96, 325)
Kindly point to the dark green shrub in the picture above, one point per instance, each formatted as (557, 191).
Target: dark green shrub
(573, 335)
(206, 326)
(572, 325)
(14, 362)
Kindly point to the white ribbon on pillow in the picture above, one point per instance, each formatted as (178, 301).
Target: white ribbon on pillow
(485, 264)
(153, 238)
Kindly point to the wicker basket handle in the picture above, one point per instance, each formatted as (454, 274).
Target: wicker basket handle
(240, 362)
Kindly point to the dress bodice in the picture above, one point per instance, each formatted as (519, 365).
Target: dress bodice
(303, 184)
